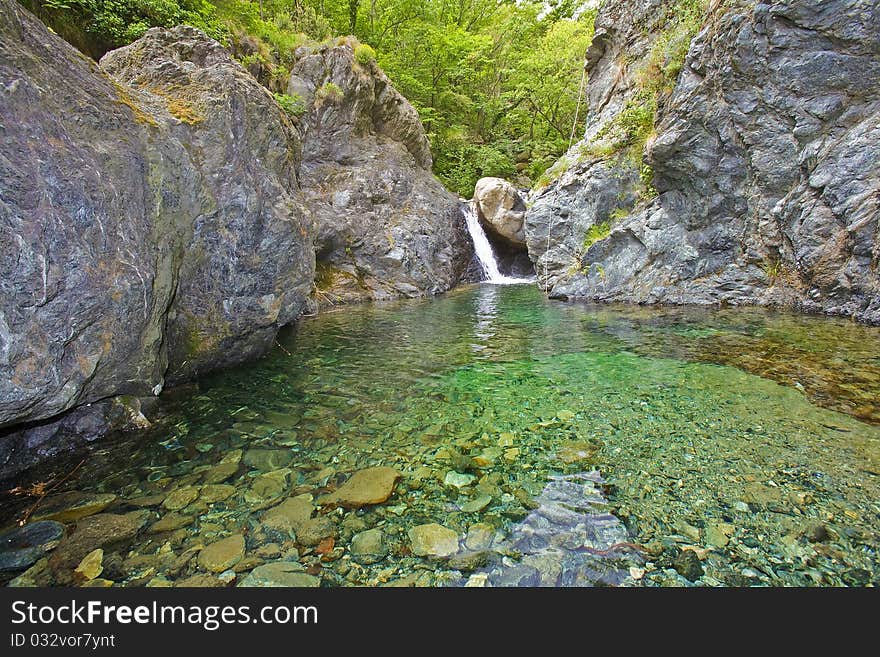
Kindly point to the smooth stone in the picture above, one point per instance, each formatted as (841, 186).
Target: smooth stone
(169, 522)
(223, 554)
(687, 530)
(477, 504)
(458, 479)
(369, 547)
(220, 473)
(180, 498)
(37, 575)
(716, 535)
(516, 576)
(577, 451)
(280, 574)
(147, 500)
(479, 536)
(433, 540)
(468, 561)
(365, 487)
(212, 493)
(90, 567)
(314, 530)
(99, 583)
(92, 532)
(267, 459)
(20, 547)
(290, 515)
(268, 487)
(72, 505)
(688, 565)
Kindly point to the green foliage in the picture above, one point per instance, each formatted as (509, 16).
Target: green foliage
(772, 268)
(293, 106)
(328, 93)
(597, 233)
(364, 54)
(489, 78)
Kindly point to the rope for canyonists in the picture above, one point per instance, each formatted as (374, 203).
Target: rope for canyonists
(577, 112)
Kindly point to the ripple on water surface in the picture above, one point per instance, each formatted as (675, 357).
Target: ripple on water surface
(733, 447)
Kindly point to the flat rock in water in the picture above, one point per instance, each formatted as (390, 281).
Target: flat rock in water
(90, 567)
(72, 505)
(476, 504)
(369, 546)
(223, 554)
(93, 532)
(279, 574)
(267, 459)
(181, 497)
(170, 522)
(365, 487)
(433, 540)
(290, 515)
(22, 546)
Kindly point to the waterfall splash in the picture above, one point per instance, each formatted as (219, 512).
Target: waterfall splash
(484, 252)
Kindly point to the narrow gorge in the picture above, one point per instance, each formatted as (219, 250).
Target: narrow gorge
(251, 334)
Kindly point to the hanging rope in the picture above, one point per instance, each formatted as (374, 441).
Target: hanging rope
(577, 112)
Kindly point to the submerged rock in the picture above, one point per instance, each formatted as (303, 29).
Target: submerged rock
(20, 547)
(223, 554)
(279, 574)
(369, 547)
(433, 540)
(73, 505)
(365, 487)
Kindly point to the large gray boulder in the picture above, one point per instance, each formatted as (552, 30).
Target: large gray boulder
(385, 226)
(501, 209)
(766, 161)
(149, 224)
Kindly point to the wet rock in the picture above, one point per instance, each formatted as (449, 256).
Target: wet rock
(458, 480)
(313, 531)
(817, 533)
(200, 581)
(92, 532)
(223, 554)
(687, 530)
(520, 575)
(73, 505)
(215, 493)
(688, 565)
(279, 574)
(267, 459)
(364, 488)
(717, 535)
(145, 501)
(479, 536)
(181, 497)
(90, 567)
(477, 504)
(433, 540)
(169, 522)
(577, 451)
(368, 547)
(220, 473)
(40, 574)
(468, 560)
(20, 547)
(268, 488)
(289, 516)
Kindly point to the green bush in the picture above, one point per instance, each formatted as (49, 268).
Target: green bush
(596, 233)
(364, 54)
(328, 93)
(293, 106)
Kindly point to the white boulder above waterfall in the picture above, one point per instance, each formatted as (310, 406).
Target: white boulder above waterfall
(501, 209)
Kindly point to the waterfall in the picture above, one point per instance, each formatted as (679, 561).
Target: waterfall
(484, 251)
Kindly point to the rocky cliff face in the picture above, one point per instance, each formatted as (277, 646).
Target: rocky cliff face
(153, 225)
(386, 227)
(762, 182)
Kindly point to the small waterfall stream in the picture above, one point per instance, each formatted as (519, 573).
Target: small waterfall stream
(484, 251)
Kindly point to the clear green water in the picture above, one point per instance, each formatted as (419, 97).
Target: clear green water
(732, 433)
